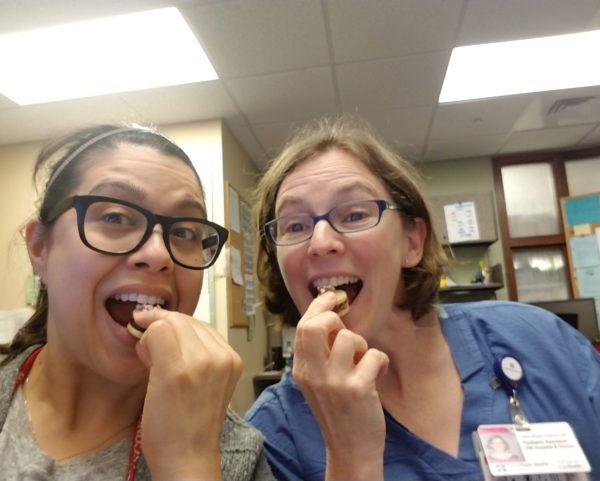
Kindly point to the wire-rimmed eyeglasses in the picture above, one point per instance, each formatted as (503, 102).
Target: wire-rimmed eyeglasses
(348, 217)
(117, 227)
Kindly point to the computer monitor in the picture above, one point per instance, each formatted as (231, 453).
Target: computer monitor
(580, 313)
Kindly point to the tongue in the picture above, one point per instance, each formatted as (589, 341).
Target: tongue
(121, 311)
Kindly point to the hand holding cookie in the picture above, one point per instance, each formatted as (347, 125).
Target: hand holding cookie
(342, 306)
(192, 374)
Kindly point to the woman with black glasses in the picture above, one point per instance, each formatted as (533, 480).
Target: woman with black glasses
(112, 378)
(386, 383)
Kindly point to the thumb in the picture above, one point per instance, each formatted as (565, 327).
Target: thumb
(141, 348)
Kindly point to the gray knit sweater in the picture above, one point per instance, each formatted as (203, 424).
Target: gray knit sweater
(241, 445)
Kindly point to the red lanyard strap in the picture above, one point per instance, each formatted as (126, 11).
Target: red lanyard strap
(26, 368)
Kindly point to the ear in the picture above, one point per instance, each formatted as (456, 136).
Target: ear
(36, 241)
(415, 236)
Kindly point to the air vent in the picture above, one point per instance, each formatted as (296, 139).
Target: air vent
(563, 104)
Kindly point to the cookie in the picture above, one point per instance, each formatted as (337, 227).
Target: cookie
(342, 307)
(135, 330)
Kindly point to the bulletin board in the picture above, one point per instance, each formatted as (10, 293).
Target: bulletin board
(240, 262)
(581, 222)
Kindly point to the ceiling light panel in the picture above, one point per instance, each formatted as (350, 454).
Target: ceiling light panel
(532, 65)
(123, 53)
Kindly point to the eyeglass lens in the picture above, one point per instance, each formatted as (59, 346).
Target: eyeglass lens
(350, 217)
(116, 228)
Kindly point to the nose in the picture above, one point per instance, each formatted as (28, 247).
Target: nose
(153, 254)
(325, 239)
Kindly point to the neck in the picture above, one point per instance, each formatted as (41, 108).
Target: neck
(73, 411)
(422, 388)
(412, 344)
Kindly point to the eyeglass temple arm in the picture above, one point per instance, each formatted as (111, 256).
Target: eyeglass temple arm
(211, 241)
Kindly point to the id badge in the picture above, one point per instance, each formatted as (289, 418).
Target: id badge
(539, 452)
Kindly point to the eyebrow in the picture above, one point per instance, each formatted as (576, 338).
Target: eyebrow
(125, 187)
(349, 188)
(140, 195)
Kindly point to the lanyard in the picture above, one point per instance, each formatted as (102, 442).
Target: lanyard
(509, 373)
(136, 440)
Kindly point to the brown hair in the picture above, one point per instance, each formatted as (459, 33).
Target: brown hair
(59, 167)
(400, 178)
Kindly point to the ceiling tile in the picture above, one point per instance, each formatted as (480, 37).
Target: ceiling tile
(273, 136)
(404, 129)
(42, 121)
(464, 147)
(183, 103)
(6, 103)
(392, 83)
(523, 141)
(14, 17)
(294, 95)
(561, 108)
(244, 37)
(362, 30)
(592, 138)
(494, 21)
(283, 62)
(480, 117)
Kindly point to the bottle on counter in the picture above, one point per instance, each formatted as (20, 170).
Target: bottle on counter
(288, 356)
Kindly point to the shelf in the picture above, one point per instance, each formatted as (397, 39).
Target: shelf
(477, 243)
(473, 287)
(264, 379)
(469, 292)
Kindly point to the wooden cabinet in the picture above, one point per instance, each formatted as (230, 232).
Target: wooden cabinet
(471, 249)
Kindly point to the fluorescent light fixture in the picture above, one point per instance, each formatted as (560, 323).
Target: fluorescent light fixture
(144, 50)
(521, 66)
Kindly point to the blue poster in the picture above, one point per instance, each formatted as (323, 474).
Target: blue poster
(583, 210)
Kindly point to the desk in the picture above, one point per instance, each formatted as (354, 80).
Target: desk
(264, 379)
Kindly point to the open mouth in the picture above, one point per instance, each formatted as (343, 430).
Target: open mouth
(351, 285)
(121, 306)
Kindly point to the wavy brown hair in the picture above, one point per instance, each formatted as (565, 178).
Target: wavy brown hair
(59, 168)
(402, 182)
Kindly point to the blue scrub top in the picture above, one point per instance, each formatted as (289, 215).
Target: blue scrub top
(562, 383)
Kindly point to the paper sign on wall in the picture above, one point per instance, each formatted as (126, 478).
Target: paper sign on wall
(461, 222)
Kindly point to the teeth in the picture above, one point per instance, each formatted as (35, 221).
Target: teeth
(142, 299)
(334, 281)
(146, 307)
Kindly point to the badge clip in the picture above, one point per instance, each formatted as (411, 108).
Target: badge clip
(510, 373)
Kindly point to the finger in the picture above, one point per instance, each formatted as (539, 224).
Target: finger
(314, 336)
(347, 348)
(204, 345)
(140, 319)
(143, 317)
(159, 346)
(373, 364)
(203, 350)
(321, 303)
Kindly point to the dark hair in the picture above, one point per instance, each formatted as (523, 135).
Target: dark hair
(400, 178)
(59, 167)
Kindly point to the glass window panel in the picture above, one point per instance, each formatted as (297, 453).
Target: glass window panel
(540, 274)
(582, 176)
(531, 203)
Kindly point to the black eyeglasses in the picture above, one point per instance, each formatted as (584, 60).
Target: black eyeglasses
(352, 216)
(117, 227)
